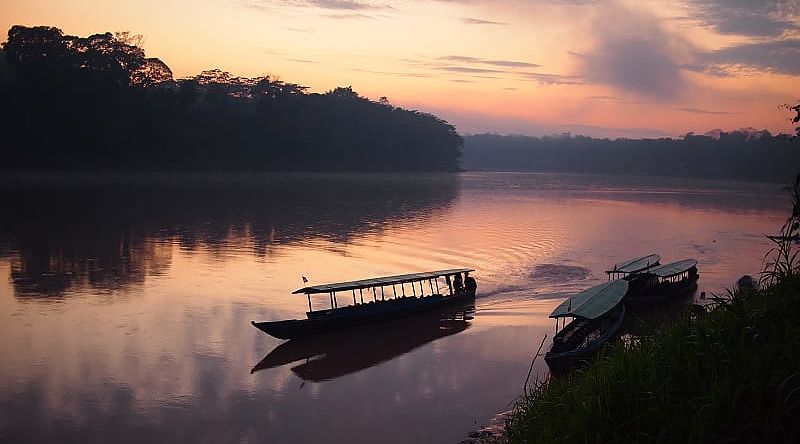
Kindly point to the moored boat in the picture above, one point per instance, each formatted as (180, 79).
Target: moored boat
(632, 267)
(386, 301)
(597, 314)
(664, 282)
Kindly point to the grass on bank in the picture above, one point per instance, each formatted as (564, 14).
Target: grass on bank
(728, 374)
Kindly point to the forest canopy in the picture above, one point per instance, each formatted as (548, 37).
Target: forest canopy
(99, 103)
(741, 155)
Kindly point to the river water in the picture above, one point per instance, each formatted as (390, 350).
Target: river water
(126, 300)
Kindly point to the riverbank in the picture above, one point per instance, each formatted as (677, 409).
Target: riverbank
(727, 372)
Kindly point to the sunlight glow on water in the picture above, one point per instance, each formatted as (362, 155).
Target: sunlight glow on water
(127, 312)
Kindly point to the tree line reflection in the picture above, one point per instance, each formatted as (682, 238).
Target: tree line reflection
(111, 231)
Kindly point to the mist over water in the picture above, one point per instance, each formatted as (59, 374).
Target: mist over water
(127, 299)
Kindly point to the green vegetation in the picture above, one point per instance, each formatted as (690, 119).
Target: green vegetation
(726, 373)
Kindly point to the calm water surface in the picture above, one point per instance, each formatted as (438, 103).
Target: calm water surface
(126, 301)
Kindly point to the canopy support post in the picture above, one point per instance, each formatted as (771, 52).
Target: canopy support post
(437, 286)
(430, 282)
(361, 292)
(308, 295)
(382, 297)
(354, 296)
(374, 296)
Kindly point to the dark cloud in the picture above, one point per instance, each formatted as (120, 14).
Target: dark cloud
(758, 18)
(477, 21)
(491, 69)
(639, 57)
(545, 79)
(781, 57)
(503, 63)
(552, 79)
(708, 69)
(702, 111)
(468, 70)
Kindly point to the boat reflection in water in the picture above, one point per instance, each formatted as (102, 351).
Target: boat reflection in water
(343, 352)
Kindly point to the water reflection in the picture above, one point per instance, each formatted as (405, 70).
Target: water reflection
(145, 290)
(108, 232)
(685, 193)
(340, 353)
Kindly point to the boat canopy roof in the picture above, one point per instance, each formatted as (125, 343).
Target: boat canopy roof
(636, 265)
(379, 281)
(673, 269)
(593, 302)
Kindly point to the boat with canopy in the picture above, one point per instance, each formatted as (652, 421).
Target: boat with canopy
(387, 297)
(596, 316)
(664, 282)
(632, 267)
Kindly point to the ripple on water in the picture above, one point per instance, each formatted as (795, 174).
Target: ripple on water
(556, 274)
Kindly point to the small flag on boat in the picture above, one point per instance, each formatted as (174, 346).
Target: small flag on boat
(305, 279)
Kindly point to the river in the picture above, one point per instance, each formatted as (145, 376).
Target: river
(126, 299)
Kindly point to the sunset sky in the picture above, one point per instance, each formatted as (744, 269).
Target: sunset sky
(606, 68)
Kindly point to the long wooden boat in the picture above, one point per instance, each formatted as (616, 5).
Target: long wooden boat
(631, 267)
(597, 314)
(664, 282)
(388, 297)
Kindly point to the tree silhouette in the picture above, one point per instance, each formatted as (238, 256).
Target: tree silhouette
(99, 102)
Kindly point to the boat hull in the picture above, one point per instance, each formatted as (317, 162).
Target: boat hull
(329, 356)
(347, 317)
(662, 292)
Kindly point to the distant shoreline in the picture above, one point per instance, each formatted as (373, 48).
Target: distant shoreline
(100, 175)
(738, 155)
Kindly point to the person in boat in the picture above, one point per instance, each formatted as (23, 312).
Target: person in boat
(469, 282)
(458, 283)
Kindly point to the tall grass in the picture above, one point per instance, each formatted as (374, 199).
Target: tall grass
(730, 373)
